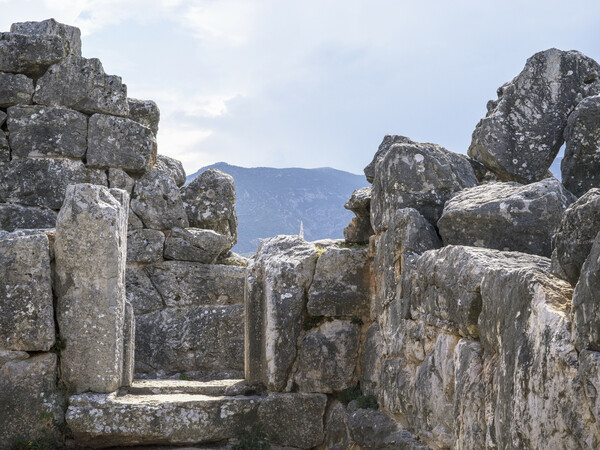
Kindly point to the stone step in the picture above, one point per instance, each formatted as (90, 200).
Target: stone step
(211, 388)
(105, 420)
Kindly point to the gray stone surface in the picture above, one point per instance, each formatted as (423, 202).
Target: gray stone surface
(420, 176)
(388, 141)
(506, 216)
(182, 283)
(194, 244)
(14, 217)
(141, 293)
(358, 231)
(15, 89)
(29, 55)
(522, 131)
(2, 117)
(190, 339)
(31, 403)
(145, 112)
(576, 232)
(128, 345)
(37, 131)
(120, 142)
(118, 179)
(370, 358)
(133, 221)
(337, 436)
(174, 166)
(90, 289)
(589, 371)
(157, 201)
(360, 202)
(42, 182)
(145, 246)
(277, 281)
(8, 356)
(71, 36)
(586, 308)
(209, 202)
(81, 84)
(341, 283)
(26, 311)
(4, 149)
(327, 357)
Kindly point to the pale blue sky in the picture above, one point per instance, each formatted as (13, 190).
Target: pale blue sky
(314, 83)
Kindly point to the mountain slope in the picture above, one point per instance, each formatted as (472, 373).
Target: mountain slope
(274, 201)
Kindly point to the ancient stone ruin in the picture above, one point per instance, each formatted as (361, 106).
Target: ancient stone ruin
(462, 310)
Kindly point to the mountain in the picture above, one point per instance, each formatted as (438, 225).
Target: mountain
(274, 201)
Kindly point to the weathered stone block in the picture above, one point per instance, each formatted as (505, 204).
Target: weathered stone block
(174, 166)
(128, 345)
(144, 112)
(15, 89)
(341, 283)
(29, 55)
(506, 216)
(388, 141)
(145, 246)
(327, 358)
(40, 131)
(371, 353)
(194, 244)
(337, 436)
(90, 287)
(358, 231)
(71, 36)
(43, 182)
(81, 84)
(13, 217)
(118, 179)
(26, 311)
(156, 200)
(141, 293)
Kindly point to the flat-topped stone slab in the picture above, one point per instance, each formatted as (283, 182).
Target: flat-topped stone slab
(165, 387)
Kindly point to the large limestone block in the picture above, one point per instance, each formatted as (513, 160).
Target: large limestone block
(575, 235)
(276, 285)
(327, 358)
(43, 182)
(31, 403)
(145, 246)
(71, 36)
(341, 283)
(13, 217)
(156, 200)
(522, 131)
(29, 55)
(209, 202)
(182, 283)
(40, 131)
(141, 293)
(194, 244)
(15, 89)
(294, 420)
(26, 311)
(81, 84)
(388, 141)
(506, 216)
(586, 307)
(120, 142)
(174, 166)
(190, 339)
(144, 112)
(90, 257)
(444, 286)
(420, 176)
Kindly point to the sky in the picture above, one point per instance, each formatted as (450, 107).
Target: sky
(314, 83)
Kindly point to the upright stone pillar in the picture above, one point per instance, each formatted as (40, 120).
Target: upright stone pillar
(90, 252)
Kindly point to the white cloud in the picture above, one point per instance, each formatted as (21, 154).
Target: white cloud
(182, 143)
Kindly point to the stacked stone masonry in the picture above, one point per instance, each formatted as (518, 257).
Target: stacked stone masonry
(461, 310)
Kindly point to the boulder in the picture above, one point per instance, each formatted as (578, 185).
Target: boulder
(141, 293)
(174, 166)
(523, 129)
(144, 112)
(38, 131)
(29, 55)
(43, 182)
(90, 286)
(341, 283)
(15, 89)
(360, 202)
(71, 36)
(157, 201)
(193, 244)
(145, 246)
(81, 84)
(26, 311)
(121, 143)
(128, 345)
(420, 176)
(388, 141)
(209, 202)
(276, 285)
(32, 407)
(337, 436)
(327, 357)
(118, 179)
(190, 339)
(506, 216)
(575, 235)
(182, 283)
(14, 217)
(580, 166)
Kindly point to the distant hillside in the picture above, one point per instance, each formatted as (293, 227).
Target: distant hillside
(274, 201)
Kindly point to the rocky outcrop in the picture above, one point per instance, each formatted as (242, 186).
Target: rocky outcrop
(359, 230)
(388, 141)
